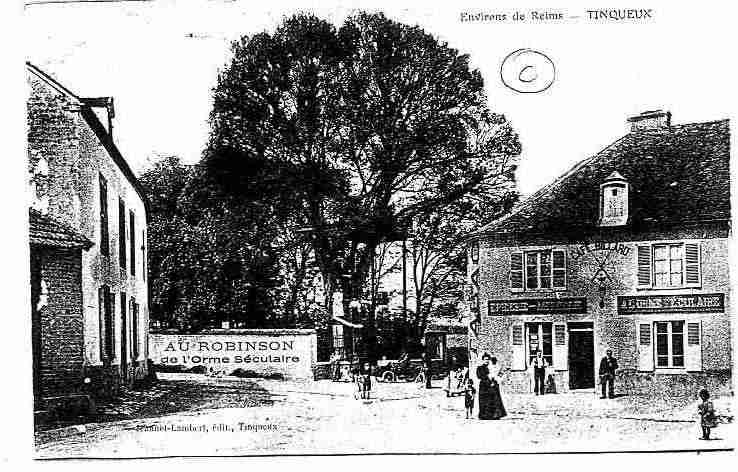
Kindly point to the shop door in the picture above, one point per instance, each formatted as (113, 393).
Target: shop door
(581, 356)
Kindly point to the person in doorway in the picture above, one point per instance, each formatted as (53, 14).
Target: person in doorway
(539, 365)
(608, 366)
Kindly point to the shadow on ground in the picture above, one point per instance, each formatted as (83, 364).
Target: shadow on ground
(167, 397)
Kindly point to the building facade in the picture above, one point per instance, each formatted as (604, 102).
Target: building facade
(628, 251)
(88, 254)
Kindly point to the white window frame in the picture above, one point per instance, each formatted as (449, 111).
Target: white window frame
(652, 254)
(529, 354)
(554, 270)
(670, 343)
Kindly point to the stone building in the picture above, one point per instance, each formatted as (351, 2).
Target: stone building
(627, 251)
(88, 219)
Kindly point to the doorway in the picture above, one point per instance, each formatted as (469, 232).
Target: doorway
(581, 356)
(123, 337)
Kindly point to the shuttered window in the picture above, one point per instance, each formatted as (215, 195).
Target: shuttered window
(669, 265)
(133, 242)
(692, 264)
(560, 334)
(644, 266)
(122, 233)
(644, 334)
(517, 335)
(105, 308)
(516, 271)
(693, 334)
(104, 231)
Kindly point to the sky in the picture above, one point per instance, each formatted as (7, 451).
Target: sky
(160, 59)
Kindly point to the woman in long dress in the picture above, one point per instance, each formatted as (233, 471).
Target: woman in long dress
(490, 402)
(497, 407)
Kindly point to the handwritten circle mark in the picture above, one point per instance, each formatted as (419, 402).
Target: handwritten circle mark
(527, 71)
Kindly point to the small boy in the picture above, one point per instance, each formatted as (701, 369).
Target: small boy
(708, 419)
(469, 398)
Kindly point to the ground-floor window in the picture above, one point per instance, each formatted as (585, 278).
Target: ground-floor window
(669, 344)
(539, 336)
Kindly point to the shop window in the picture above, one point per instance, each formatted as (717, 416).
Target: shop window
(669, 344)
(540, 339)
(669, 265)
(538, 270)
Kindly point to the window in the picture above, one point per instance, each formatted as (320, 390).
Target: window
(105, 308)
(669, 265)
(475, 252)
(122, 234)
(104, 232)
(133, 243)
(669, 344)
(143, 255)
(614, 201)
(540, 338)
(538, 270)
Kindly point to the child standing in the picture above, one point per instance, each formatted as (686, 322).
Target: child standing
(708, 419)
(469, 398)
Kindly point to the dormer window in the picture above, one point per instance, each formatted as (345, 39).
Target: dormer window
(614, 201)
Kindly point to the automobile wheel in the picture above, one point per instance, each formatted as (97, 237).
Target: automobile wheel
(388, 377)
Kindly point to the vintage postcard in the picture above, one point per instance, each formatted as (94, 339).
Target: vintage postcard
(371, 228)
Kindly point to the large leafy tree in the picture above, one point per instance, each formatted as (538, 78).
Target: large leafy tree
(352, 135)
(208, 263)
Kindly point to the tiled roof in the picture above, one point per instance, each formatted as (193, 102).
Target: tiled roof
(45, 231)
(677, 175)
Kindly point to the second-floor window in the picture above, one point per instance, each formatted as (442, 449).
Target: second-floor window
(133, 242)
(538, 270)
(122, 233)
(669, 265)
(104, 232)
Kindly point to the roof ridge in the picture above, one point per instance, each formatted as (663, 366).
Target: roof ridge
(540, 193)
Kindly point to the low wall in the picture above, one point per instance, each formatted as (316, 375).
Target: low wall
(289, 352)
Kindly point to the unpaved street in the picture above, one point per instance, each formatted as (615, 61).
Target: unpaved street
(324, 417)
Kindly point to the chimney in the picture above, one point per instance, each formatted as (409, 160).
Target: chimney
(650, 120)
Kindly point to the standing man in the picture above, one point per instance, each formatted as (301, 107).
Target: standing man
(608, 366)
(539, 373)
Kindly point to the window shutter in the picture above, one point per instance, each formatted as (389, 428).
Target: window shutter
(518, 347)
(516, 271)
(645, 347)
(693, 349)
(559, 269)
(560, 348)
(644, 266)
(692, 276)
